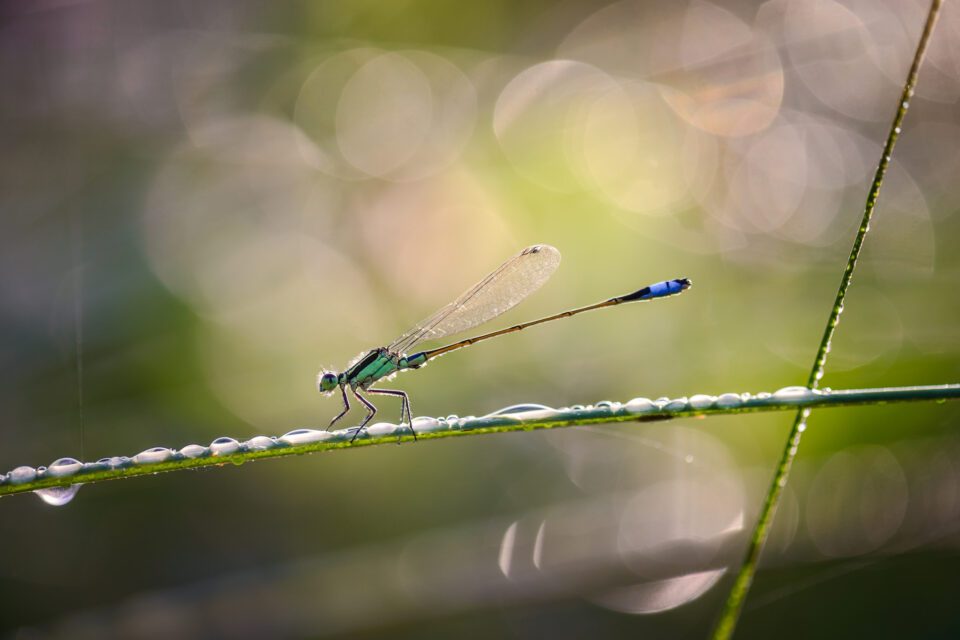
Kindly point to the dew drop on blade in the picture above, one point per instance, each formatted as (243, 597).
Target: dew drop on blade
(224, 446)
(64, 467)
(58, 496)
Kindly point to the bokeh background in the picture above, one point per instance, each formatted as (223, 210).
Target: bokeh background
(203, 204)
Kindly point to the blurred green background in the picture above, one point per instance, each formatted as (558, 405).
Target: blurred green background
(204, 204)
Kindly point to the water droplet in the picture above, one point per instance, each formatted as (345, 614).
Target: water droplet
(381, 429)
(58, 496)
(194, 451)
(606, 404)
(118, 462)
(64, 467)
(519, 408)
(577, 407)
(702, 401)
(153, 456)
(259, 443)
(792, 394)
(677, 404)
(425, 424)
(729, 400)
(224, 446)
(308, 436)
(640, 405)
(22, 475)
(764, 395)
(802, 427)
(452, 417)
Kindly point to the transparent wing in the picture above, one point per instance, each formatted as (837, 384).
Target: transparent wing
(500, 291)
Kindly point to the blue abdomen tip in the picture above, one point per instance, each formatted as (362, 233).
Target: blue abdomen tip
(659, 290)
(667, 288)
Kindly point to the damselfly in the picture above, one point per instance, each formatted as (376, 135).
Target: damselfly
(500, 291)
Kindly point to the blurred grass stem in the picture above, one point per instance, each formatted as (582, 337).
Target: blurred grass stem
(735, 600)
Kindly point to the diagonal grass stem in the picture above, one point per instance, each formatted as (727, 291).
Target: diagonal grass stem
(735, 600)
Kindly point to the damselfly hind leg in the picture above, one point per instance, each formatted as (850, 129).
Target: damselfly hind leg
(346, 407)
(372, 411)
(404, 406)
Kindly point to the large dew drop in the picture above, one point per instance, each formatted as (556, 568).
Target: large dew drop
(64, 467)
(224, 446)
(58, 496)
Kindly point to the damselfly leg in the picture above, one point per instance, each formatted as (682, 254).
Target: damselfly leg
(370, 408)
(404, 405)
(346, 407)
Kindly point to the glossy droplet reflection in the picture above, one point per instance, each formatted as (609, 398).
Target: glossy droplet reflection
(22, 475)
(153, 455)
(792, 394)
(58, 496)
(305, 436)
(259, 443)
(64, 467)
(224, 446)
(520, 408)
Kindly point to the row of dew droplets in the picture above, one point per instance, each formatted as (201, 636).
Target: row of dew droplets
(832, 323)
(63, 467)
(69, 471)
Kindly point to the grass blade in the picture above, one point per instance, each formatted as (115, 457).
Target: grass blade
(735, 600)
(67, 472)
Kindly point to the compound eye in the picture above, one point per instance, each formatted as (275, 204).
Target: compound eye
(328, 382)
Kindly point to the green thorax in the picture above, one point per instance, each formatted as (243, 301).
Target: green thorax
(378, 364)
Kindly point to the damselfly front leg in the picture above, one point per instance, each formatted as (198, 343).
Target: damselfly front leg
(346, 407)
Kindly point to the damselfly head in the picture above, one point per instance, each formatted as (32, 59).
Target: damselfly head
(327, 381)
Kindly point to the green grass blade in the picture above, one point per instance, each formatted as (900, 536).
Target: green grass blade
(735, 600)
(67, 472)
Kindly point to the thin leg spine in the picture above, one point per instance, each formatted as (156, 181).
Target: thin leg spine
(372, 412)
(404, 405)
(346, 407)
